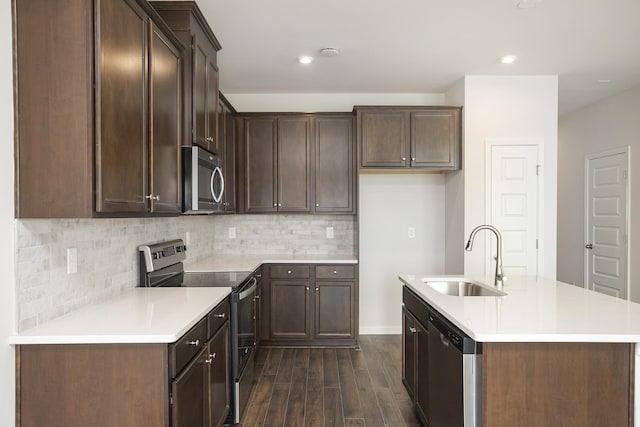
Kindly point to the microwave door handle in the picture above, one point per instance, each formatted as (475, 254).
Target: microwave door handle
(217, 198)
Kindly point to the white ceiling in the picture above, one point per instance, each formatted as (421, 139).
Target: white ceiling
(424, 46)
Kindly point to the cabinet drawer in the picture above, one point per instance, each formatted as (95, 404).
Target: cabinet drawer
(183, 350)
(290, 271)
(415, 305)
(217, 317)
(335, 272)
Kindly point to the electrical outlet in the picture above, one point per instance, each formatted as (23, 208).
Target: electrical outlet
(412, 232)
(329, 232)
(72, 260)
(187, 239)
(232, 232)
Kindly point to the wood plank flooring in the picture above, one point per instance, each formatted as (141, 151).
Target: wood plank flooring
(332, 387)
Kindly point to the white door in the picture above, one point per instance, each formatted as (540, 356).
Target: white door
(514, 206)
(606, 218)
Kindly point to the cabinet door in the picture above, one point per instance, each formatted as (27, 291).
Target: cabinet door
(294, 160)
(121, 108)
(384, 138)
(409, 332)
(189, 394)
(219, 392)
(435, 139)
(260, 164)
(229, 165)
(334, 165)
(421, 396)
(199, 77)
(335, 310)
(212, 107)
(165, 83)
(290, 316)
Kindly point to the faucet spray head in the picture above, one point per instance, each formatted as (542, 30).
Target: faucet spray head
(469, 245)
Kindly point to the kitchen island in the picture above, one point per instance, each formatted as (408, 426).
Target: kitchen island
(550, 353)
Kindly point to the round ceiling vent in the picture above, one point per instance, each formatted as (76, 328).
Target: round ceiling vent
(329, 52)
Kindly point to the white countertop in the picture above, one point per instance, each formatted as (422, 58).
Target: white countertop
(251, 262)
(536, 310)
(140, 315)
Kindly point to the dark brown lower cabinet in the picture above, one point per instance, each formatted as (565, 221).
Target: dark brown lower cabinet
(309, 304)
(290, 309)
(126, 385)
(415, 350)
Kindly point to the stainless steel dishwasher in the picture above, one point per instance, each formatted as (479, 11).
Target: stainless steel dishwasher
(454, 376)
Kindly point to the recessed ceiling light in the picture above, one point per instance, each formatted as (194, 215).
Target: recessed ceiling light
(329, 52)
(508, 59)
(603, 81)
(305, 59)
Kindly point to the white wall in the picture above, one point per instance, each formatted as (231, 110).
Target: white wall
(509, 107)
(7, 285)
(325, 102)
(454, 197)
(610, 123)
(389, 205)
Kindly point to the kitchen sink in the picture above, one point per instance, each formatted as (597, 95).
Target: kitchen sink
(461, 287)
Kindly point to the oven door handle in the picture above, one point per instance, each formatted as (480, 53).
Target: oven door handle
(242, 295)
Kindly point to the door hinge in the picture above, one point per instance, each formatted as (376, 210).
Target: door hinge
(624, 239)
(536, 244)
(538, 170)
(171, 399)
(624, 174)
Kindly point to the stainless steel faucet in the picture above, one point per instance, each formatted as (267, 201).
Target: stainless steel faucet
(499, 278)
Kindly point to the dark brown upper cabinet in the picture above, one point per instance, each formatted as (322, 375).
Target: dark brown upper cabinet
(277, 157)
(334, 164)
(200, 83)
(409, 137)
(97, 128)
(296, 162)
(226, 135)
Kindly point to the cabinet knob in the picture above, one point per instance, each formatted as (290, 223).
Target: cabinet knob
(317, 289)
(413, 159)
(275, 205)
(279, 204)
(196, 342)
(307, 287)
(335, 271)
(413, 330)
(221, 315)
(288, 271)
(152, 197)
(404, 158)
(210, 358)
(317, 205)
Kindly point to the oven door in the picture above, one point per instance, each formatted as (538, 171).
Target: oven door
(203, 181)
(246, 337)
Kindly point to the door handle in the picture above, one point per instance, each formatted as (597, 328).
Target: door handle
(588, 246)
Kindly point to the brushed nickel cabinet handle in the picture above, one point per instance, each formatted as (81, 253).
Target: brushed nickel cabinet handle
(196, 342)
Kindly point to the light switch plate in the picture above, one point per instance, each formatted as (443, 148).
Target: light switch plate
(411, 232)
(232, 232)
(329, 232)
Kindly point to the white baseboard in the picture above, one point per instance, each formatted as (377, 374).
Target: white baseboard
(380, 330)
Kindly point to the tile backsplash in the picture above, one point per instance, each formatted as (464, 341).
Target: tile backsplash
(108, 259)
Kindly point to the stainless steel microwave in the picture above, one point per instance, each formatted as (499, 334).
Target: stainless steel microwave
(202, 181)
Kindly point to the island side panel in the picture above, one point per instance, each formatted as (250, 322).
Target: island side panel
(79, 385)
(567, 384)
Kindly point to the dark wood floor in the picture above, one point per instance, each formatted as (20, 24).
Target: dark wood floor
(332, 387)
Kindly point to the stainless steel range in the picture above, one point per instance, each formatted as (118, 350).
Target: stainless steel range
(161, 266)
